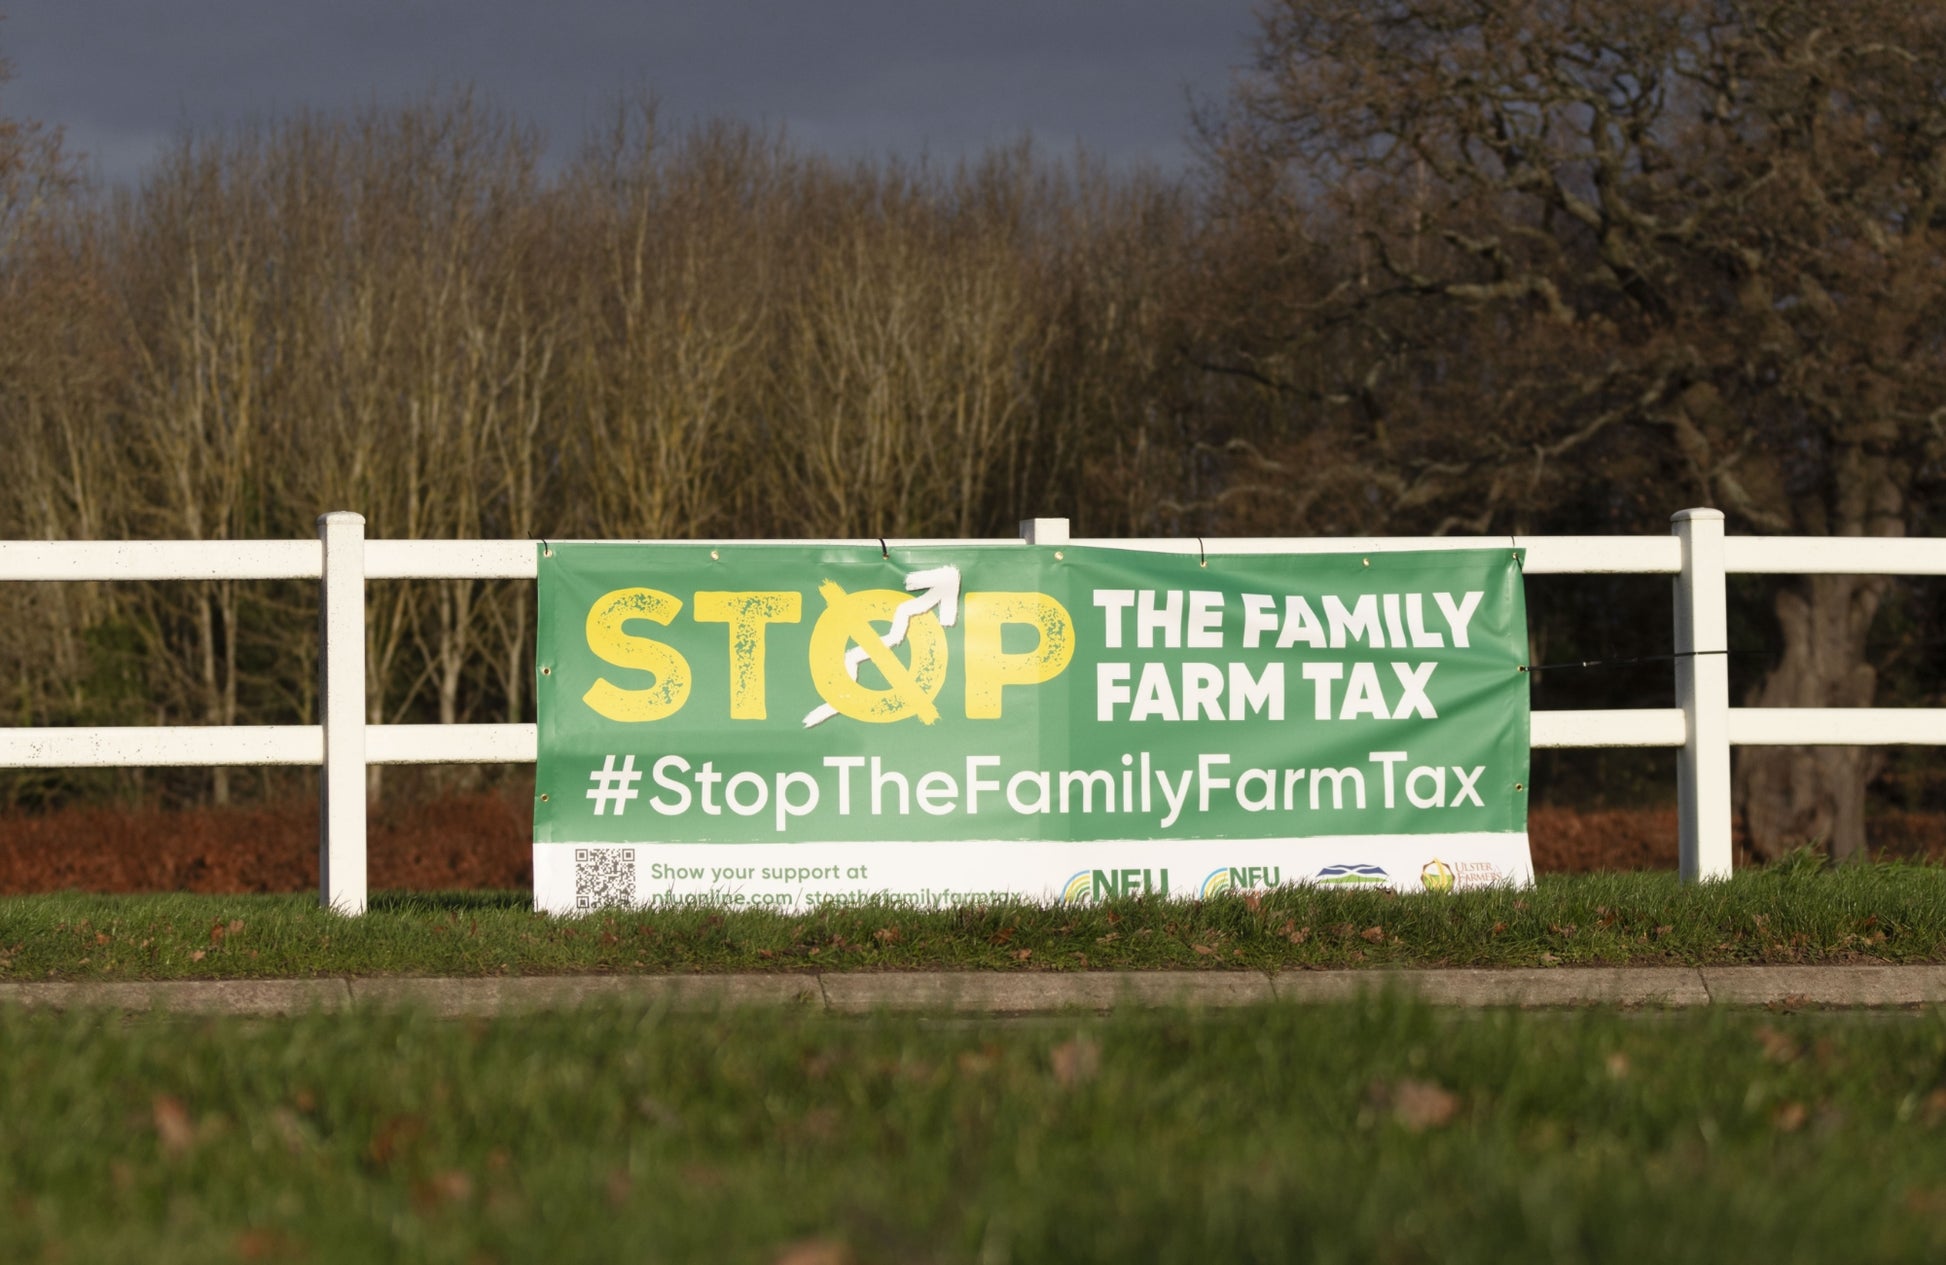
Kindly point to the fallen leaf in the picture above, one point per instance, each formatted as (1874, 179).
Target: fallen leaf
(263, 1244)
(173, 1128)
(1373, 935)
(395, 1135)
(1420, 1105)
(1778, 1047)
(449, 1187)
(1075, 1062)
(1789, 1117)
(1617, 1064)
(814, 1252)
(1203, 949)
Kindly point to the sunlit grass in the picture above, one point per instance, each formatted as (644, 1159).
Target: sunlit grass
(1378, 1131)
(1890, 913)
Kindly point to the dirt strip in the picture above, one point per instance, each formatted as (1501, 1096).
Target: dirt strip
(970, 992)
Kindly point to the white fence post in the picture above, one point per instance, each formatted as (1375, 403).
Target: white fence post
(341, 702)
(1703, 693)
(1044, 531)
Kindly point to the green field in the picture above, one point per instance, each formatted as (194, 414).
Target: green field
(1383, 1131)
(1801, 914)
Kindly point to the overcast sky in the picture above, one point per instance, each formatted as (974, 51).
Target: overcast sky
(857, 78)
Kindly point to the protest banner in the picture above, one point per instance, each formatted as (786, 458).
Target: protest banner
(778, 725)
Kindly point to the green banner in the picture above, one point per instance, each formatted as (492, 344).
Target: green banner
(909, 707)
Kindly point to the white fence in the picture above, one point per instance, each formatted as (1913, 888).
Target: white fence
(1702, 725)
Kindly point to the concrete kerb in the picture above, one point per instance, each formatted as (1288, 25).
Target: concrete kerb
(969, 992)
(1825, 985)
(525, 994)
(267, 998)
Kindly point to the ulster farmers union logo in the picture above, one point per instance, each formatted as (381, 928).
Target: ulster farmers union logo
(1436, 876)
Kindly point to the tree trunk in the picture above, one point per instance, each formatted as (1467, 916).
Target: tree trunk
(1791, 796)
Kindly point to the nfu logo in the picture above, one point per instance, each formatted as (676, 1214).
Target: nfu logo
(1248, 878)
(1093, 885)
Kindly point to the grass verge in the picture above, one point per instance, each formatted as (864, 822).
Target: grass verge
(1379, 1131)
(1866, 913)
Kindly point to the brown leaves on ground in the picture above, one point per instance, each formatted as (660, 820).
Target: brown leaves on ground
(175, 1132)
(1075, 1062)
(449, 1187)
(1777, 1046)
(1416, 1105)
(814, 1252)
(395, 1136)
(264, 1244)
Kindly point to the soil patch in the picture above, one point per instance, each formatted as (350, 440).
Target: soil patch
(483, 840)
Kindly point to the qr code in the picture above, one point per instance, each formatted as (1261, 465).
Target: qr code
(604, 876)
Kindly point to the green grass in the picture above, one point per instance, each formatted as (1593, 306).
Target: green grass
(1382, 1131)
(1795, 914)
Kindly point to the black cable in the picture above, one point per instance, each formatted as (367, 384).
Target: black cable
(1647, 658)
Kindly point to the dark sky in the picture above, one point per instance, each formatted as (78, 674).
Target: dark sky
(858, 78)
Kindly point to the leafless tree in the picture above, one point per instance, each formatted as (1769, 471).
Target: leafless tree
(1590, 257)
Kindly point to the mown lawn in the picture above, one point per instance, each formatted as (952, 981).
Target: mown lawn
(1890, 913)
(1381, 1131)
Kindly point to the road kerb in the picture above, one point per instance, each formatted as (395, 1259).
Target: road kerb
(1496, 986)
(250, 997)
(1861, 985)
(517, 994)
(974, 992)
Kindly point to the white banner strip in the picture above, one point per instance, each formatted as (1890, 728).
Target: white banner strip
(571, 878)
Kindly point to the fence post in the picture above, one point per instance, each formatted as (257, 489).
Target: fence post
(341, 703)
(1044, 531)
(1703, 693)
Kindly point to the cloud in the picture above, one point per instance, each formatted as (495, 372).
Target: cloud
(863, 78)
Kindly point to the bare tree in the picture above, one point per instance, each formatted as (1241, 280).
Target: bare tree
(1589, 256)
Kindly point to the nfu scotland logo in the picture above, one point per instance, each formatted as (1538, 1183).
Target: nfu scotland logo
(1247, 878)
(1093, 885)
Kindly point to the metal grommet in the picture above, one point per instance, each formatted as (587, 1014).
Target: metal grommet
(547, 671)
(1058, 555)
(1366, 561)
(543, 797)
(1519, 786)
(714, 556)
